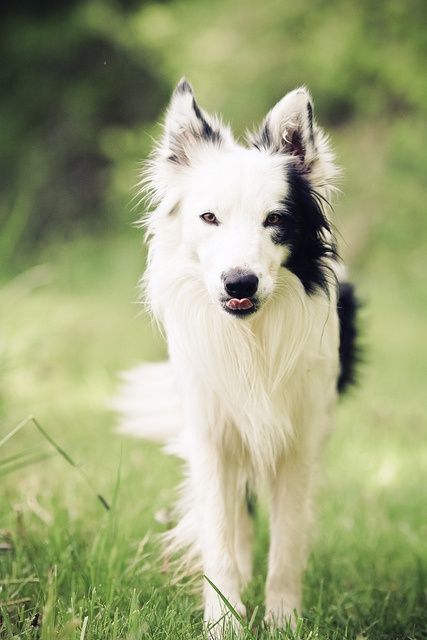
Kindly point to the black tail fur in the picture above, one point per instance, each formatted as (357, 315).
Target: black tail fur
(347, 306)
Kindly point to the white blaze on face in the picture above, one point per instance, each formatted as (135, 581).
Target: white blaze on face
(241, 187)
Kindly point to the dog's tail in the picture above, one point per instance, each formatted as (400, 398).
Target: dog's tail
(350, 352)
(148, 403)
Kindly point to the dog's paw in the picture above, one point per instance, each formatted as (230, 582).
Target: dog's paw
(219, 619)
(282, 612)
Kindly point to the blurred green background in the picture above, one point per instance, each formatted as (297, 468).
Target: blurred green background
(83, 85)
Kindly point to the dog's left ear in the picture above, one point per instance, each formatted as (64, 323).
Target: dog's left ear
(289, 128)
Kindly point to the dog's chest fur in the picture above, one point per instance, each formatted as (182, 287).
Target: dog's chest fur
(263, 381)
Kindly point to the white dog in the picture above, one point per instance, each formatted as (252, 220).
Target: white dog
(242, 275)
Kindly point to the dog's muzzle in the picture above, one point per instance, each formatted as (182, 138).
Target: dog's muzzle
(240, 286)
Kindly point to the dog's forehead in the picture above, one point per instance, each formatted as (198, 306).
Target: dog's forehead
(239, 178)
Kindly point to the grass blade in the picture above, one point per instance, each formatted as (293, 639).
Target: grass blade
(70, 461)
(56, 446)
(14, 431)
(20, 463)
(253, 616)
(83, 631)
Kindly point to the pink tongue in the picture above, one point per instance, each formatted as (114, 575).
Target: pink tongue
(242, 304)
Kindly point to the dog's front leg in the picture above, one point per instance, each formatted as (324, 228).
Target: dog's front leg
(289, 522)
(214, 482)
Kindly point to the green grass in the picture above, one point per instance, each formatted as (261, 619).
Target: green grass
(77, 571)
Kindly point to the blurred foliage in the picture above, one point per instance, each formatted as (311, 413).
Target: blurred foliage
(359, 59)
(68, 78)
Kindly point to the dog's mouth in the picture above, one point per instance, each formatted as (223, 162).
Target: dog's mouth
(240, 306)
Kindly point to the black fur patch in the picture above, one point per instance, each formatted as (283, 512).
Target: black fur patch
(208, 133)
(183, 87)
(262, 140)
(310, 120)
(347, 307)
(303, 229)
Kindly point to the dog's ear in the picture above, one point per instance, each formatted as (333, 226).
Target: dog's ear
(187, 129)
(187, 126)
(289, 128)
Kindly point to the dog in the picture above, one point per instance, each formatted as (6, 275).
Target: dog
(244, 277)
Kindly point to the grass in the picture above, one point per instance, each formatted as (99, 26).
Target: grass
(70, 569)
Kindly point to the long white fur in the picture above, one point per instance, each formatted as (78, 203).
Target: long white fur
(243, 400)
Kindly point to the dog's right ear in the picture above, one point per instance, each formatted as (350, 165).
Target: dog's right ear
(187, 127)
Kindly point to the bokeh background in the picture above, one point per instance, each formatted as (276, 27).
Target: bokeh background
(82, 87)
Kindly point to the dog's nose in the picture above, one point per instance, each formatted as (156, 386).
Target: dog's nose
(240, 284)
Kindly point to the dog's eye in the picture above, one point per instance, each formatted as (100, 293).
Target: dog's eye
(210, 218)
(272, 219)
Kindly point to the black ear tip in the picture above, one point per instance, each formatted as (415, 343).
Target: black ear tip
(183, 86)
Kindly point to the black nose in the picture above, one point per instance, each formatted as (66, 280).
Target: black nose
(240, 284)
